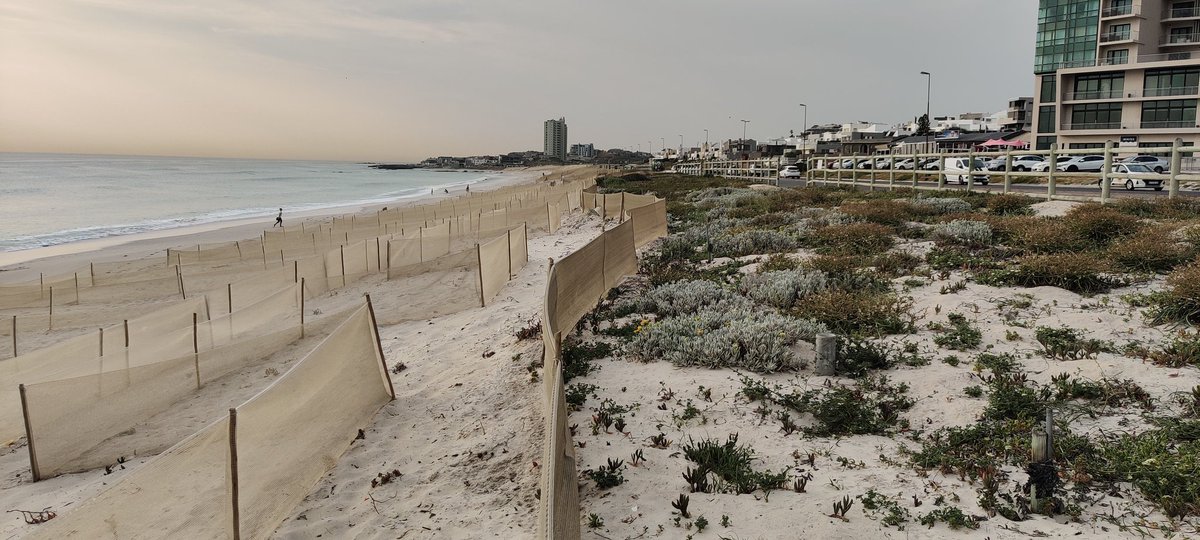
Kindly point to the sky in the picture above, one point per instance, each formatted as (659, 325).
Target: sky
(401, 80)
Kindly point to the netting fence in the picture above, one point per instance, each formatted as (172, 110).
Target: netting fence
(574, 287)
(238, 477)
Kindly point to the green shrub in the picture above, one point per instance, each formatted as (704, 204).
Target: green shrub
(941, 205)
(754, 242)
(883, 212)
(720, 337)
(964, 232)
(680, 298)
(858, 312)
(1039, 235)
(1077, 272)
(1009, 205)
(960, 335)
(778, 262)
(784, 288)
(1099, 224)
(1182, 350)
(1068, 344)
(853, 239)
(578, 357)
(1149, 251)
(1181, 299)
(729, 464)
(856, 357)
(1162, 463)
(871, 406)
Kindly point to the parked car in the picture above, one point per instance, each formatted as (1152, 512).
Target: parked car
(995, 164)
(883, 163)
(905, 164)
(959, 169)
(1019, 163)
(1044, 165)
(865, 163)
(1091, 163)
(931, 164)
(1154, 163)
(1119, 177)
(791, 171)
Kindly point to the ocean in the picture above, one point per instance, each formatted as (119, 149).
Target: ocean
(50, 199)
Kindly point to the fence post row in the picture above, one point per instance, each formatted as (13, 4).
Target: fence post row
(1105, 180)
(1173, 189)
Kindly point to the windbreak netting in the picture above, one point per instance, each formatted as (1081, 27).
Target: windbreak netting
(613, 204)
(290, 434)
(181, 493)
(576, 283)
(156, 333)
(79, 316)
(430, 289)
(493, 266)
(554, 214)
(518, 250)
(649, 222)
(287, 436)
(86, 422)
(279, 311)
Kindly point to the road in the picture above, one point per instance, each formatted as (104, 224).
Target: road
(1062, 190)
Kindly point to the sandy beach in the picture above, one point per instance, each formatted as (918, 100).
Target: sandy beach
(465, 467)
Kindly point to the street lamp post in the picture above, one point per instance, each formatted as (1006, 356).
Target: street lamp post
(804, 132)
(743, 145)
(928, 119)
(680, 154)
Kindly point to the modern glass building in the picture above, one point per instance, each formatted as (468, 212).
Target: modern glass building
(1121, 70)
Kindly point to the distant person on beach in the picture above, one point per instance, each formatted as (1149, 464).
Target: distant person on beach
(468, 189)
(447, 190)
(278, 219)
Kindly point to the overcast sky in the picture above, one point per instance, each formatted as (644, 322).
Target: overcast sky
(401, 80)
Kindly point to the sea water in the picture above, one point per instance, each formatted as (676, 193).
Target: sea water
(49, 199)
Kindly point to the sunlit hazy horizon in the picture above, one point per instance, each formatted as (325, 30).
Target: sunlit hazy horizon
(404, 80)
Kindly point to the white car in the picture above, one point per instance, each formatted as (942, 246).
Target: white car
(1120, 177)
(1090, 163)
(905, 164)
(958, 169)
(1154, 163)
(1045, 164)
(790, 171)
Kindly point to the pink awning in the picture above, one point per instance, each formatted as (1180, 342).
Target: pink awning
(1001, 142)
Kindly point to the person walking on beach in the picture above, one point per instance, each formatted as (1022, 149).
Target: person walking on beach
(278, 219)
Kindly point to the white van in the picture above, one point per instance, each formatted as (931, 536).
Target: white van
(957, 169)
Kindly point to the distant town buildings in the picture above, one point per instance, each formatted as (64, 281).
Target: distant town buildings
(555, 138)
(1116, 70)
(582, 151)
(1020, 115)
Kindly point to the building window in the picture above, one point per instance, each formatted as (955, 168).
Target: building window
(1172, 82)
(1096, 116)
(1100, 86)
(1174, 113)
(1046, 119)
(1049, 87)
(1066, 34)
(1182, 34)
(1162, 149)
(1116, 57)
(1116, 32)
(1044, 143)
(1183, 9)
(1086, 146)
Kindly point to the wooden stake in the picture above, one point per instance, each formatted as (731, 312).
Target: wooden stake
(233, 474)
(33, 463)
(14, 336)
(179, 274)
(196, 350)
(101, 341)
(92, 270)
(52, 307)
(296, 271)
(76, 288)
(229, 296)
(126, 333)
(342, 258)
(379, 347)
(301, 308)
(479, 264)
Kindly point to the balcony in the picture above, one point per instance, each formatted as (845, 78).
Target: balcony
(1169, 124)
(1113, 37)
(1068, 126)
(1172, 91)
(1180, 39)
(1095, 94)
(1120, 11)
(1175, 14)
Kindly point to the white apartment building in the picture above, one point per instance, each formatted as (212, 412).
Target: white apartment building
(1126, 71)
